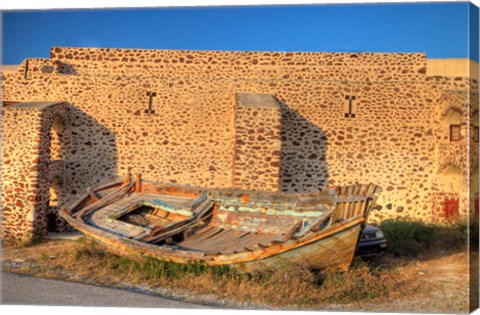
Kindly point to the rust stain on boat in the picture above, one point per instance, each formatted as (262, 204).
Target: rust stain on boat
(245, 198)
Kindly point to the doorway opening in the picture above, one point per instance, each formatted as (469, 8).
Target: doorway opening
(53, 220)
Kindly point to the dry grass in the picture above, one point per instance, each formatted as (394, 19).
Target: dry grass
(426, 270)
(300, 287)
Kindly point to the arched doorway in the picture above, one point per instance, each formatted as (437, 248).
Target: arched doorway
(56, 138)
(53, 220)
(56, 177)
(450, 179)
(450, 185)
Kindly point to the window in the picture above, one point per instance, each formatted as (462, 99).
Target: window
(454, 133)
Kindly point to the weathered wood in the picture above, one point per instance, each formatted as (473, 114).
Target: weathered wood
(108, 199)
(198, 233)
(203, 208)
(202, 236)
(219, 241)
(164, 234)
(93, 194)
(199, 243)
(288, 235)
(319, 221)
(225, 245)
(138, 183)
(262, 241)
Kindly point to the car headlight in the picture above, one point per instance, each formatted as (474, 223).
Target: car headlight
(379, 234)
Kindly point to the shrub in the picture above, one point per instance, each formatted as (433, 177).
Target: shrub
(409, 237)
(401, 237)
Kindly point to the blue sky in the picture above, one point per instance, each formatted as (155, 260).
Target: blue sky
(439, 29)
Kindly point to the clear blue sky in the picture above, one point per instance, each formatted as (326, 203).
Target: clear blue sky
(439, 29)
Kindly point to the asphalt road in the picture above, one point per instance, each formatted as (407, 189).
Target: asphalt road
(25, 290)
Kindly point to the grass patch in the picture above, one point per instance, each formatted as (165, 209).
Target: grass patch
(35, 239)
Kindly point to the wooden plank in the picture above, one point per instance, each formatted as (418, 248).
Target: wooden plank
(348, 204)
(202, 243)
(343, 210)
(263, 240)
(218, 238)
(356, 208)
(251, 243)
(243, 242)
(203, 209)
(164, 229)
(200, 236)
(105, 201)
(223, 240)
(288, 235)
(226, 245)
(198, 233)
(93, 194)
(316, 223)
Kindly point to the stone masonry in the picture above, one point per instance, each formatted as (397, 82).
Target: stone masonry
(292, 122)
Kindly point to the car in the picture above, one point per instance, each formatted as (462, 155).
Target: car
(372, 242)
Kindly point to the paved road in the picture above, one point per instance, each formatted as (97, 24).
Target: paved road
(25, 290)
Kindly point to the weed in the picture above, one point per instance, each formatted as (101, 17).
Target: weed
(36, 239)
(44, 256)
(153, 269)
(90, 251)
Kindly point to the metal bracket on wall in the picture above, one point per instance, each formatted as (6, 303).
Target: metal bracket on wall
(350, 113)
(151, 95)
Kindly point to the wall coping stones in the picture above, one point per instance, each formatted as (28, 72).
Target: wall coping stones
(257, 100)
(235, 57)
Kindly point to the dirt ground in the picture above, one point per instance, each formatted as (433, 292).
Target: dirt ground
(441, 281)
(446, 278)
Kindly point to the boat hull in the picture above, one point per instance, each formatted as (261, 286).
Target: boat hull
(333, 251)
(250, 231)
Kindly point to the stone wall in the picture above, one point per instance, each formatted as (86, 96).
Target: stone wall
(256, 161)
(27, 169)
(342, 118)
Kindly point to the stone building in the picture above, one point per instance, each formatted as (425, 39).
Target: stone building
(275, 121)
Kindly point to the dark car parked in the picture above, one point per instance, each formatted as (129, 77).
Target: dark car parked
(372, 242)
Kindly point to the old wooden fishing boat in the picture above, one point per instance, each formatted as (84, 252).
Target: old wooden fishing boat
(245, 229)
